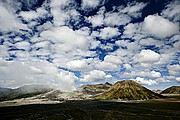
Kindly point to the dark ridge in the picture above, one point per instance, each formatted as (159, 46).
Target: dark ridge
(172, 90)
(96, 89)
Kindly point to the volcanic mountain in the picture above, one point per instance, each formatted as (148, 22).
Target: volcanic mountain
(128, 90)
(22, 92)
(172, 90)
(96, 88)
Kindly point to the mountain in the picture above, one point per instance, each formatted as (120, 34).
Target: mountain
(172, 90)
(5, 91)
(22, 92)
(157, 91)
(128, 90)
(95, 89)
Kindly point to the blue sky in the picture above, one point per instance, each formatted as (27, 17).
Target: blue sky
(65, 43)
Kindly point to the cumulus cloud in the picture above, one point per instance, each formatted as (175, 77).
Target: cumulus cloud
(95, 75)
(132, 29)
(134, 73)
(155, 74)
(110, 63)
(147, 56)
(67, 38)
(145, 81)
(112, 59)
(171, 11)
(107, 66)
(122, 17)
(174, 70)
(30, 15)
(133, 9)
(90, 3)
(37, 72)
(178, 79)
(117, 18)
(23, 45)
(148, 41)
(8, 20)
(3, 52)
(127, 66)
(62, 15)
(108, 32)
(73, 42)
(78, 65)
(159, 26)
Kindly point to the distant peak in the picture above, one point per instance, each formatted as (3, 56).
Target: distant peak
(107, 83)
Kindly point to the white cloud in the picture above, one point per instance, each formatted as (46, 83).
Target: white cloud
(147, 56)
(165, 58)
(37, 72)
(112, 59)
(66, 38)
(174, 70)
(117, 18)
(144, 81)
(132, 29)
(8, 20)
(159, 26)
(148, 41)
(23, 45)
(121, 17)
(133, 9)
(163, 80)
(17, 38)
(30, 15)
(134, 73)
(107, 66)
(107, 46)
(78, 65)
(56, 40)
(178, 79)
(22, 55)
(3, 51)
(96, 20)
(90, 4)
(95, 75)
(108, 32)
(146, 65)
(60, 15)
(155, 74)
(172, 11)
(127, 66)
(42, 44)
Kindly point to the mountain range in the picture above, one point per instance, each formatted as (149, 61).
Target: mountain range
(121, 90)
(96, 88)
(22, 92)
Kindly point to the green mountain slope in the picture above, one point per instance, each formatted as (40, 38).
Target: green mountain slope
(96, 88)
(128, 90)
(172, 90)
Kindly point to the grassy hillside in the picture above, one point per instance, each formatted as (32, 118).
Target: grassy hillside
(96, 89)
(128, 90)
(172, 90)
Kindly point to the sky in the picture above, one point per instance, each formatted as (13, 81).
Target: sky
(66, 43)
